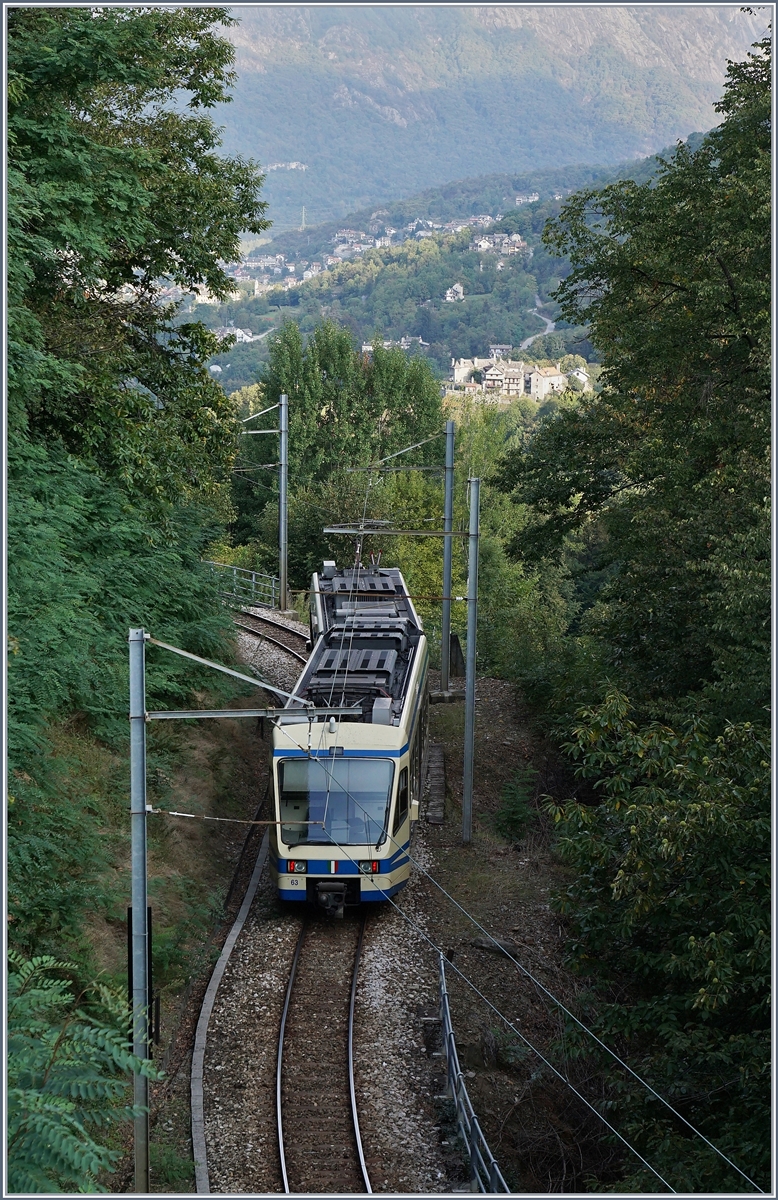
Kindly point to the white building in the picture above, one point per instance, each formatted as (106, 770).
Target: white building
(457, 292)
(462, 368)
(582, 378)
(240, 335)
(540, 382)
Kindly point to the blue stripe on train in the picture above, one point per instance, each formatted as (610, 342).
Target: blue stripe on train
(319, 866)
(384, 894)
(367, 897)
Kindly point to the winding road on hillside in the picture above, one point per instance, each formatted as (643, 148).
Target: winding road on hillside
(550, 325)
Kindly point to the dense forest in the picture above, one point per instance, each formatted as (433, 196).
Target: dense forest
(652, 499)
(119, 453)
(624, 561)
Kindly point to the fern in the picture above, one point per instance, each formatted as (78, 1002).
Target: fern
(67, 1078)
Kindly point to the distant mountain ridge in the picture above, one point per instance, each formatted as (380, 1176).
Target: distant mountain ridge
(462, 198)
(383, 101)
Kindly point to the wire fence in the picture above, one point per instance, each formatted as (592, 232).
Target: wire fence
(239, 587)
(485, 1174)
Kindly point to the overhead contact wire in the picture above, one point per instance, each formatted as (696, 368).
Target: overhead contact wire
(524, 970)
(505, 1019)
(644, 1083)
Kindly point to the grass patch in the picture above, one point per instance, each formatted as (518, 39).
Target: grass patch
(516, 809)
(168, 1167)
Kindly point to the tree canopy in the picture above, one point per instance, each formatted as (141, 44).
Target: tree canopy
(653, 496)
(672, 458)
(346, 409)
(114, 187)
(120, 448)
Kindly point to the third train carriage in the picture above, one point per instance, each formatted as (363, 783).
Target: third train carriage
(347, 788)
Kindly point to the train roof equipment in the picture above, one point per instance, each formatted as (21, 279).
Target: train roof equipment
(367, 635)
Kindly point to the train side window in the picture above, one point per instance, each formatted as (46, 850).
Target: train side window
(402, 800)
(417, 757)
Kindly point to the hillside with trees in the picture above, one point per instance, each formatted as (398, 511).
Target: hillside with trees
(120, 448)
(624, 563)
(652, 500)
(378, 103)
(399, 291)
(625, 575)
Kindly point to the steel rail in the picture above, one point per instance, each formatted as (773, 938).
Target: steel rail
(281, 645)
(277, 624)
(352, 1090)
(281, 1032)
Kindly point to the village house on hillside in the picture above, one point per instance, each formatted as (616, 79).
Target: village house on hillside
(405, 343)
(464, 368)
(582, 377)
(504, 377)
(539, 382)
(499, 243)
(457, 292)
(240, 335)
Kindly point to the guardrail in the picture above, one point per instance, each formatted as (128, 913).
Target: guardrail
(245, 587)
(486, 1175)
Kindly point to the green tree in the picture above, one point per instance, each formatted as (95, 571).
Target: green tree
(111, 190)
(653, 496)
(67, 1079)
(120, 443)
(670, 892)
(345, 410)
(671, 459)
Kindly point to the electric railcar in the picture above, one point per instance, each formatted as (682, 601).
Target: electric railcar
(347, 788)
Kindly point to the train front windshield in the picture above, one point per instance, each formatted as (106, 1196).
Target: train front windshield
(347, 798)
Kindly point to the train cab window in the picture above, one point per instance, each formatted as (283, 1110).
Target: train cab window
(340, 801)
(402, 800)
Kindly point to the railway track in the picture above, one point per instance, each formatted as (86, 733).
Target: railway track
(285, 638)
(319, 1143)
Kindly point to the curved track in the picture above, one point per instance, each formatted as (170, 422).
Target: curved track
(319, 1143)
(284, 637)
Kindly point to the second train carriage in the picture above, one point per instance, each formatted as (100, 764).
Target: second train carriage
(347, 789)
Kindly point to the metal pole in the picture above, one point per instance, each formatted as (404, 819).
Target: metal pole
(140, 1039)
(448, 525)
(283, 427)
(472, 620)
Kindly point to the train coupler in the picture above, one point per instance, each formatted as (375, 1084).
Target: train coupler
(331, 897)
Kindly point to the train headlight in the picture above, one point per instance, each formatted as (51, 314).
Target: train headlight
(369, 868)
(297, 866)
